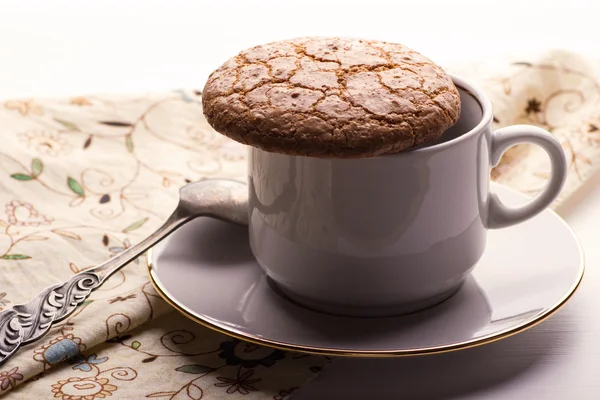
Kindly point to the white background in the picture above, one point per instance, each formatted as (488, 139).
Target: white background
(61, 47)
(50, 47)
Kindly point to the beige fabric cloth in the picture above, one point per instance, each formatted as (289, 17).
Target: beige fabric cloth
(83, 178)
(557, 90)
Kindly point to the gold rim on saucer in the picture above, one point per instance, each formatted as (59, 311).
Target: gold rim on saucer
(232, 332)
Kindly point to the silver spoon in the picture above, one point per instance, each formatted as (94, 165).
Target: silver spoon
(24, 323)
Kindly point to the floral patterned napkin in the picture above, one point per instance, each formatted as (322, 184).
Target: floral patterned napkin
(84, 178)
(558, 91)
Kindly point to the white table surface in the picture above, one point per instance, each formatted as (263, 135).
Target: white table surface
(67, 47)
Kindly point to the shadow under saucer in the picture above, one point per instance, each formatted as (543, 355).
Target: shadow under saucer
(493, 371)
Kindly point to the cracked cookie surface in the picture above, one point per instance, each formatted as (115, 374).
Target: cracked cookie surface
(331, 97)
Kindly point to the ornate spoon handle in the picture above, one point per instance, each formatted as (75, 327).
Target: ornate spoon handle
(24, 323)
(219, 198)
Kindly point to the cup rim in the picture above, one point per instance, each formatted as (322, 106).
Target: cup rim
(486, 108)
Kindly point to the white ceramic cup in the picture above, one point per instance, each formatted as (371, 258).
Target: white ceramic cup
(391, 234)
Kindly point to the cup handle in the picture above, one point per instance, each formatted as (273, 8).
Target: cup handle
(499, 215)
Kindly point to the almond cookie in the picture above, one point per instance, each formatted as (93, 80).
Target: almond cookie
(331, 97)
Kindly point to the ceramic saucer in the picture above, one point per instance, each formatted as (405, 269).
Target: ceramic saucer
(207, 272)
